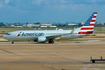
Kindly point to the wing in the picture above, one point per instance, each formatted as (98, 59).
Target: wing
(56, 36)
(53, 36)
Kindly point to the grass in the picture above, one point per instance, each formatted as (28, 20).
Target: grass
(4, 41)
(3, 30)
(6, 30)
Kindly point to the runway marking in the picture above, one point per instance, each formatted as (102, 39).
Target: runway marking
(86, 66)
(8, 51)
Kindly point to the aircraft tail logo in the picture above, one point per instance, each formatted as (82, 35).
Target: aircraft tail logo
(88, 27)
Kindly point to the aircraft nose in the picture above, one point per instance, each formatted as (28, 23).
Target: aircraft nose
(4, 36)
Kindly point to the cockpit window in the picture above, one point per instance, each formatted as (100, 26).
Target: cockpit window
(8, 34)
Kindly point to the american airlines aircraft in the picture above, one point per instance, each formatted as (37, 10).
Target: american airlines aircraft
(43, 36)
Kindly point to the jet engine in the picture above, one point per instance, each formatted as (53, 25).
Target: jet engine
(42, 39)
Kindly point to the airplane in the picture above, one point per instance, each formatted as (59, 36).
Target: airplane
(43, 36)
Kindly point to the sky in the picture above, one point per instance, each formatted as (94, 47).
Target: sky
(50, 10)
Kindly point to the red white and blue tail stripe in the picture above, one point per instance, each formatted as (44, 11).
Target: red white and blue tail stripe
(88, 27)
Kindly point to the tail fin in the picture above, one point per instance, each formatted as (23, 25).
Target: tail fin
(88, 27)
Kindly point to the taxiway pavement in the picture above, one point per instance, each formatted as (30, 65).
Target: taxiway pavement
(57, 56)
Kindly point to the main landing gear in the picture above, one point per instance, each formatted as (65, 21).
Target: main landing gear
(50, 41)
(12, 42)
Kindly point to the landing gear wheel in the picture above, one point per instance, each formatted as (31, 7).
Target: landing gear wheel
(93, 61)
(51, 41)
(12, 42)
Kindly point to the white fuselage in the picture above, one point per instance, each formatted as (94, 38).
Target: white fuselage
(34, 34)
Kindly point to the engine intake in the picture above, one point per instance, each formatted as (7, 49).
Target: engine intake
(42, 39)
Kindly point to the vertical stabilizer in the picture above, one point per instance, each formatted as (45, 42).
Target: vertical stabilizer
(88, 27)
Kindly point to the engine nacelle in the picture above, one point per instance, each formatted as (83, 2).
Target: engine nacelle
(42, 39)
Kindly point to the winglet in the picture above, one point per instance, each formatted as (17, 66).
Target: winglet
(72, 31)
